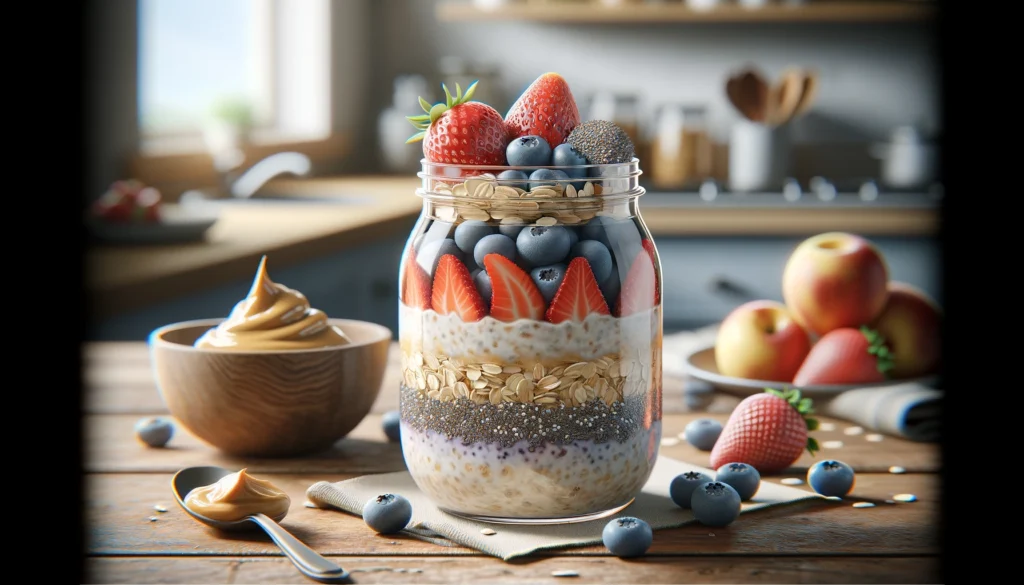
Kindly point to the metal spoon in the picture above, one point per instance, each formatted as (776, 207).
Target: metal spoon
(307, 560)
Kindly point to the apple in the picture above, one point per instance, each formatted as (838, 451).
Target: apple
(911, 322)
(834, 280)
(760, 340)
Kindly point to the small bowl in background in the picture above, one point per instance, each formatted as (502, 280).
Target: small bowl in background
(269, 403)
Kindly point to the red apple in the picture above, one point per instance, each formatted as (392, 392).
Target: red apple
(760, 340)
(834, 280)
(910, 322)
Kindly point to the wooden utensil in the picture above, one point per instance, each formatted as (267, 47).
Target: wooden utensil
(807, 94)
(785, 97)
(748, 92)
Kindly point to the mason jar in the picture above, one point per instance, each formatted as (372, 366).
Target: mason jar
(530, 328)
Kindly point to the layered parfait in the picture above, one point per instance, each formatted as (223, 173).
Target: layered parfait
(530, 313)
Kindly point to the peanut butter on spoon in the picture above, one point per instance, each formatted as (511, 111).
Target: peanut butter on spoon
(236, 496)
(273, 317)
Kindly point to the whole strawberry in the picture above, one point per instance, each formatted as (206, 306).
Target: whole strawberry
(460, 131)
(846, 356)
(767, 431)
(546, 109)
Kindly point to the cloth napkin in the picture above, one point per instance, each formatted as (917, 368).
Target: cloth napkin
(652, 505)
(905, 410)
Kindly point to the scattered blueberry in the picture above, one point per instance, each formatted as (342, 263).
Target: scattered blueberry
(469, 232)
(698, 394)
(511, 230)
(565, 155)
(627, 536)
(682, 486)
(543, 245)
(702, 433)
(494, 244)
(742, 477)
(387, 513)
(391, 421)
(715, 504)
(597, 255)
(831, 478)
(482, 280)
(548, 279)
(528, 151)
(514, 178)
(430, 253)
(549, 177)
(154, 431)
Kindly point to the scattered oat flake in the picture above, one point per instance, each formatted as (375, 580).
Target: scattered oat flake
(826, 427)
(487, 531)
(153, 518)
(874, 437)
(834, 498)
(565, 573)
(832, 444)
(890, 501)
(310, 505)
(863, 505)
(791, 481)
(905, 498)
(853, 431)
(711, 533)
(160, 508)
(897, 469)
(669, 442)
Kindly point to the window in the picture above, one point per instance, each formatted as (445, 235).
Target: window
(264, 61)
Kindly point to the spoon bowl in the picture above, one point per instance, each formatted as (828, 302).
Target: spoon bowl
(306, 560)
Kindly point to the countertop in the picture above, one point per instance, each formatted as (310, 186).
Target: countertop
(130, 539)
(120, 278)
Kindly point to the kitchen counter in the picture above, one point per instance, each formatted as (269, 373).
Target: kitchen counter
(122, 278)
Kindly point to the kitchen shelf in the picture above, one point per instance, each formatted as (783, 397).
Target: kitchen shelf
(645, 13)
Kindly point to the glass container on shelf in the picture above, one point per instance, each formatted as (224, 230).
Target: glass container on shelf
(681, 149)
(622, 109)
(530, 331)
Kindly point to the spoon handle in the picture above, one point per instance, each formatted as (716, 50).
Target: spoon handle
(305, 559)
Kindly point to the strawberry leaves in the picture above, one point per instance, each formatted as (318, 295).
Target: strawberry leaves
(805, 406)
(435, 111)
(878, 348)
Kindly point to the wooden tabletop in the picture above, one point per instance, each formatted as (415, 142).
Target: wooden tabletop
(130, 539)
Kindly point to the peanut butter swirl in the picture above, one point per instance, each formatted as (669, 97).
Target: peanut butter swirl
(236, 496)
(273, 316)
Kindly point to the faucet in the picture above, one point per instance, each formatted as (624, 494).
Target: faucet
(244, 184)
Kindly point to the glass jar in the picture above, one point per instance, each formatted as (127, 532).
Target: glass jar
(530, 328)
(681, 149)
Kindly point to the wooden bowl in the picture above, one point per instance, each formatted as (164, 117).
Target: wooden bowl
(269, 403)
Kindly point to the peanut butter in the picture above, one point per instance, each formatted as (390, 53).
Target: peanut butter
(273, 316)
(236, 496)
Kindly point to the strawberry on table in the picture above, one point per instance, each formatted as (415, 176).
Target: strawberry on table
(846, 356)
(455, 292)
(640, 288)
(416, 287)
(546, 109)
(767, 431)
(578, 296)
(460, 131)
(513, 293)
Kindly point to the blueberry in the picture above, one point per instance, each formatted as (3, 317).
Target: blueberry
(154, 431)
(831, 478)
(549, 177)
(627, 536)
(742, 477)
(611, 287)
(391, 421)
(387, 513)
(682, 486)
(542, 245)
(528, 151)
(715, 504)
(698, 394)
(430, 253)
(621, 236)
(565, 155)
(515, 178)
(702, 433)
(548, 279)
(494, 244)
(482, 280)
(469, 232)
(574, 235)
(511, 230)
(597, 255)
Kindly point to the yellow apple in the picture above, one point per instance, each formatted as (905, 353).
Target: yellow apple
(760, 340)
(911, 326)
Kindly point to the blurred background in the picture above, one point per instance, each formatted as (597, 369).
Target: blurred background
(278, 127)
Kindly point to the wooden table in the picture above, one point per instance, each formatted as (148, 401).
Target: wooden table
(130, 539)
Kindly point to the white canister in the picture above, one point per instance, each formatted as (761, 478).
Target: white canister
(908, 160)
(758, 156)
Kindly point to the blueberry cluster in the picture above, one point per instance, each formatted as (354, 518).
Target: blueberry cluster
(534, 151)
(715, 501)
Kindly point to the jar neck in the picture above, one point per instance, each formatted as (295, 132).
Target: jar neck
(549, 209)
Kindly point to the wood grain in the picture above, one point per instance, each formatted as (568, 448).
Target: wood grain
(446, 570)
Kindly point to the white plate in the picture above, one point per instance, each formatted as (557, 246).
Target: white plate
(177, 224)
(701, 365)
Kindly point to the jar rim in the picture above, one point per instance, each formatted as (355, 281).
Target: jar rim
(634, 162)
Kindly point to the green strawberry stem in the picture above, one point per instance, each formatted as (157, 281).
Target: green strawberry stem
(878, 348)
(433, 112)
(804, 406)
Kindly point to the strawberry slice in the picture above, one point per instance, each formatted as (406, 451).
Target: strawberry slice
(649, 246)
(640, 289)
(846, 356)
(578, 296)
(415, 284)
(514, 294)
(454, 291)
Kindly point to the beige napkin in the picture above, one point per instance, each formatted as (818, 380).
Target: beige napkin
(428, 523)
